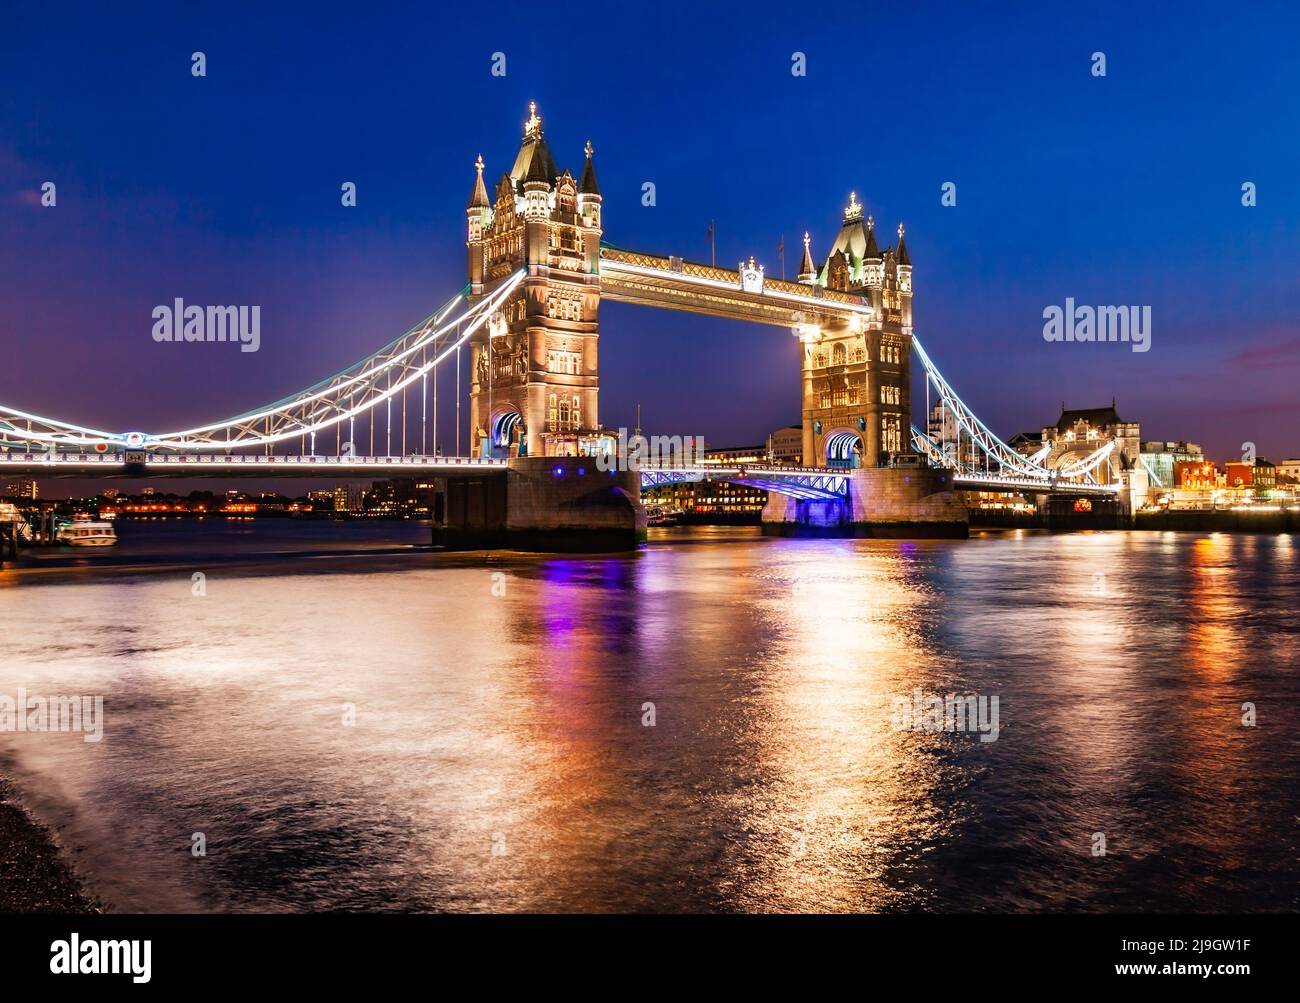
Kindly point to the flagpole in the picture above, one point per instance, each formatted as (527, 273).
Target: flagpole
(782, 250)
(713, 245)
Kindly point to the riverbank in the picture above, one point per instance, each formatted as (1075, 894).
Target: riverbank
(33, 876)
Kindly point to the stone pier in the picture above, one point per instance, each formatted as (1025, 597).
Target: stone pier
(892, 502)
(543, 503)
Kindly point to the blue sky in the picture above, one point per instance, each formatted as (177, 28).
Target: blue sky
(225, 189)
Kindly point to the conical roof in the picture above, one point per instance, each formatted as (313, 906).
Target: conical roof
(589, 186)
(478, 198)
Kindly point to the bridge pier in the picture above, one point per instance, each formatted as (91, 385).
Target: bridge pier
(543, 503)
(889, 502)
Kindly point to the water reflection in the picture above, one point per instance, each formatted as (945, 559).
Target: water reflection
(703, 725)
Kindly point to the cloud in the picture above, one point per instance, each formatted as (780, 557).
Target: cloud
(1282, 353)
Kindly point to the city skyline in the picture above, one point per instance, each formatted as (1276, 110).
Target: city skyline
(158, 198)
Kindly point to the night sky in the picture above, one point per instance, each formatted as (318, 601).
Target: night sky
(225, 189)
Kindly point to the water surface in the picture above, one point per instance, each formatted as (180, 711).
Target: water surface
(498, 758)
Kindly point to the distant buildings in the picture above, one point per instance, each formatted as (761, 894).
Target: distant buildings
(25, 489)
(785, 446)
(1160, 458)
(1288, 472)
(1260, 475)
(349, 497)
(707, 502)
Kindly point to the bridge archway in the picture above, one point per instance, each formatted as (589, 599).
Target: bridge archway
(844, 449)
(505, 424)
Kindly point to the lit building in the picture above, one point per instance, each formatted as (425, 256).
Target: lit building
(1194, 476)
(738, 455)
(25, 489)
(1260, 475)
(1288, 471)
(785, 446)
(708, 501)
(1160, 458)
(349, 497)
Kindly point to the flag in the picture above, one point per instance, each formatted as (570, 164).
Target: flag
(710, 233)
(781, 250)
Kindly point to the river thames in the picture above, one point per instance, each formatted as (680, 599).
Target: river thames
(709, 724)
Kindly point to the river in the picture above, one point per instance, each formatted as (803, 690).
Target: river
(353, 722)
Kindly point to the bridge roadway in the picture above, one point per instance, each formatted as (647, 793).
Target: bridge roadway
(797, 482)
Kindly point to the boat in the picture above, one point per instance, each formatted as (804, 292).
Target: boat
(84, 531)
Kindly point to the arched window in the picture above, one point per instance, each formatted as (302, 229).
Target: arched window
(838, 355)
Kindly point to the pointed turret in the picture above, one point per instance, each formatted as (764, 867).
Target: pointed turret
(537, 171)
(479, 208)
(589, 186)
(589, 200)
(902, 256)
(807, 270)
(872, 249)
(534, 160)
(478, 198)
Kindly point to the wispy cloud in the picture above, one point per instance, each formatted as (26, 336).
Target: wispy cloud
(1281, 353)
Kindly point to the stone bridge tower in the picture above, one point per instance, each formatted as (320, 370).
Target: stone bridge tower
(534, 369)
(856, 382)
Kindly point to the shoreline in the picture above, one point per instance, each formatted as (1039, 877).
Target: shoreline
(34, 877)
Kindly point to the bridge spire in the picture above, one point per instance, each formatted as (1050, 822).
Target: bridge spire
(903, 258)
(807, 270)
(588, 185)
(478, 199)
(872, 249)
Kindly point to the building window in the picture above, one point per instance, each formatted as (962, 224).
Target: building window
(838, 355)
(890, 395)
(891, 433)
(565, 363)
(550, 413)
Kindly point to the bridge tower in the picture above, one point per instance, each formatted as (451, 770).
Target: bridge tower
(857, 381)
(534, 368)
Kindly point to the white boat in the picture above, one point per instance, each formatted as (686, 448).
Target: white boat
(86, 532)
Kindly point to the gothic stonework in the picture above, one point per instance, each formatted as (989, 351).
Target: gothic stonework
(534, 383)
(857, 380)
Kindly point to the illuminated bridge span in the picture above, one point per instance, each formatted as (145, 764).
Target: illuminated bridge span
(527, 324)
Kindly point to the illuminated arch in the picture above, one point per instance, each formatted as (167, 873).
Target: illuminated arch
(844, 449)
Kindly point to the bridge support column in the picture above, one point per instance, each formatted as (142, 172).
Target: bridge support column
(898, 503)
(544, 503)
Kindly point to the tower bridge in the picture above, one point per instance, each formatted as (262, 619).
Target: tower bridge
(529, 321)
